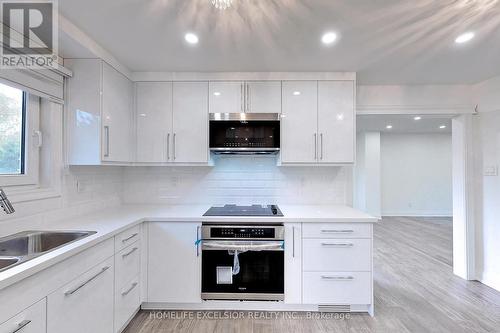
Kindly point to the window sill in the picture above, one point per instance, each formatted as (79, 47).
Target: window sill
(32, 194)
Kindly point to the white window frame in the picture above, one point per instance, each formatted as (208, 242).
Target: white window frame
(30, 178)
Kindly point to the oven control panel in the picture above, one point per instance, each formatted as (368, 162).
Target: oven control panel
(237, 232)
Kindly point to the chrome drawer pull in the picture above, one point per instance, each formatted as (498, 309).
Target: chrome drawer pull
(337, 231)
(22, 325)
(338, 244)
(125, 293)
(129, 238)
(338, 278)
(130, 252)
(74, 290)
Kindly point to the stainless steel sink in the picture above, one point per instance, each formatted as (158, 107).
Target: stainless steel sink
(21, 247)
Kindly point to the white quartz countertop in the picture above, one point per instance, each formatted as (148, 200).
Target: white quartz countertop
(107, 223)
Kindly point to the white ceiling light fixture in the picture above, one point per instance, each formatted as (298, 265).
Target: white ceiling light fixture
(389, 127)
(296, 93)
(442, 126)
(464, 38)
(417, 118)
(328, 38)
(191, 38)
(222, 4)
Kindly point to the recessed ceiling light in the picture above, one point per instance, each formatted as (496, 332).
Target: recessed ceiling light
(191, 38)
(296, 93)
(389, 127)
(464, 38)
(329, 38)
(442, 126)
(417, 118)
(216, 93)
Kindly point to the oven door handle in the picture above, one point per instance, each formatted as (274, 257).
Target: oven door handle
(243, 245)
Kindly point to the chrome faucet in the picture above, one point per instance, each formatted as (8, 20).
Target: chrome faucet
(5, 203)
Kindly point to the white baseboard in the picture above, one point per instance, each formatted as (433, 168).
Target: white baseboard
(491, 280)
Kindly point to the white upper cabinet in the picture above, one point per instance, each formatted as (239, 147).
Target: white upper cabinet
(154, 121)
(117, 115)
(299, 122)
(336, 118)
(263, 96)
(100, 113)
(227, 97)
(318, 122)
(190, 119)
(250, 96)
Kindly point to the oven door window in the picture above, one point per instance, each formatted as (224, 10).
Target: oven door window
(260, 272)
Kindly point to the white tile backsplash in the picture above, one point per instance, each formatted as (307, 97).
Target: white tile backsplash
(239, 180)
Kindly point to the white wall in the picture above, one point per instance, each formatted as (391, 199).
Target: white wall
(367, 173)
(239, 180)
(416, 174)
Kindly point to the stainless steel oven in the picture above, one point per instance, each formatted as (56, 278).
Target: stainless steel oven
(244, 133)
(243, 262)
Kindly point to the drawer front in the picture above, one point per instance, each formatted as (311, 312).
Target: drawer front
(85, 304)
(336, 230)
(337, 288)
(336, 255)
(127, 237)
(31, 320)
(127, 264)
(127, 302)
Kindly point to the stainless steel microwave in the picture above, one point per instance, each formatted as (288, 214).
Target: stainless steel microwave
(245, 133)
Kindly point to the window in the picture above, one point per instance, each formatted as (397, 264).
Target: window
(19, 137)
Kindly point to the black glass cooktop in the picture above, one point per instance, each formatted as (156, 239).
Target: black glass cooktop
(235, 210)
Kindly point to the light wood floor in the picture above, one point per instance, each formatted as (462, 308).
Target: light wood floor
(415, 291)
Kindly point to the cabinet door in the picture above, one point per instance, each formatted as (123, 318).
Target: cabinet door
(293, 263)
(263, 96)
(31, 320)
(174, 262)
(190, 133)
(85, 304)
(299, 122)
(336, 122)
(227, 97)
(117, 95)
(154, 121)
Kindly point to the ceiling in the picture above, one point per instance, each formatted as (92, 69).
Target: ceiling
(403, 123)
(385, 41)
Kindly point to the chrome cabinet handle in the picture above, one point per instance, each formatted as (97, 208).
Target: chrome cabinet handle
(130, 252)
(106, 135)
(168, 147)
(22, 325)
(74, 290)
(173, 145)
(337, 278)
(197, 241)
(328, 231)
(126, 292)
(293, 242)
(129, 237)
(249, 105)
(315, 146)
(321, 146)
(241, 97)
(338, 244)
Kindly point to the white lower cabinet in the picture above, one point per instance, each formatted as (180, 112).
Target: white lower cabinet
(127, 302)
(31, 320)
(337, 254)
(337, 287)
(174, 262)
(85, 304)
(293, 263)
